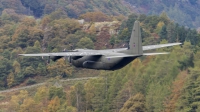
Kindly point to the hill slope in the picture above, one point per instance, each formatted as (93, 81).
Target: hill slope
(72, 8)
(184, 12)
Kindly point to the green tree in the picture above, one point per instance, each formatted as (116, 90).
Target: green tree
(171, 34)
(85, 43)
(112, 41)
(163, 33)
(56, 92)
(189, 99)
(5, 69)
(163, 17)
(135, 104)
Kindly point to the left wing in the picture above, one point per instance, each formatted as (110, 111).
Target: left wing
(149, 47)
(64, 54)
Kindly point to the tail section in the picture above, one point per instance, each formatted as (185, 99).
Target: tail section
(135, 43)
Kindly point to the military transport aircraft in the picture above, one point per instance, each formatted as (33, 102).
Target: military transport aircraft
(108, 59)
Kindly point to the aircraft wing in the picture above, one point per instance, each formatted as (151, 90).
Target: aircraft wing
(63, 54)
(149, 47)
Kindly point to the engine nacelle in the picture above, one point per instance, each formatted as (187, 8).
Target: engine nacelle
(93, 65)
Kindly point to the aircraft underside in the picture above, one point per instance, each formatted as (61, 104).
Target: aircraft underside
(101, 63)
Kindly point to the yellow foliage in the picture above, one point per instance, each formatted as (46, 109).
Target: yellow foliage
(92, 28)
(28, 105)
(136, 63)
(95, 17)
(45, 21)
(29, 21)
(16, 100)
(41, 93)
(89, 90)
(59, 68)
(54, 104)
(159, 26)
(10, 79)
(17, 67)
(14, 104)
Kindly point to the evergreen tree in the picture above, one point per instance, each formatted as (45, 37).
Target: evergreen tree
(163, 33)
(135, 104)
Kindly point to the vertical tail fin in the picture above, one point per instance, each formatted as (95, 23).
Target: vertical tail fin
(135, 43)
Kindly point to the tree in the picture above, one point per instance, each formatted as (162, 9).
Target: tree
(85, 43)
(17, 100)
(78, 95)
(10, 79)
(112, 41)
(41, 93)
(5, 69)
(21, 36)
(41, 69)
(28, 21)
(17, 67)
(6, 54)
(60, 67)
(41, 97)
(164, 18)
(54, 105)
(62, 27)
(124, 35)
(14, 104)
(189, 99)
(159, 26)
(29, 71)
(163, 33)
(135, 104)
(171, 34)
(36, 7)
(177, 87)
(28, 105)
(95, 17)
(56, 92)
(92, 29)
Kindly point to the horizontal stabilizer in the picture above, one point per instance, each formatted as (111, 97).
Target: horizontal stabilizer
(149, 47)
(122, 56)
(148, 54)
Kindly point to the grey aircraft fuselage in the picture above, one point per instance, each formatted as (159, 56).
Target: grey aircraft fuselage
(101, 62)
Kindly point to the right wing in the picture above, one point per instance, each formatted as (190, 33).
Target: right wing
(149, 47)
(63, 54)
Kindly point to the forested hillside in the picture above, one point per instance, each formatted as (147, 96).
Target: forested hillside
(166, 83)
(72, 8)
(154, 83)
(184, 12)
